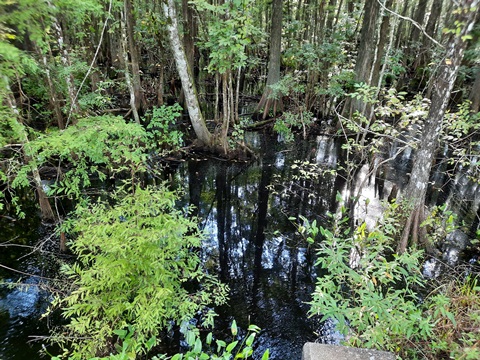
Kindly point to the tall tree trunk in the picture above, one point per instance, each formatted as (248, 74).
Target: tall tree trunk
(189, 34)
(419, 18)
(424, 55)
(381, 46)
(185, 74)
(416, 188)
(268, 100)
(475, 92)
(65, 59)
(366, 54)
(402, 26)
(134, 56)
(331, 14)
(128, 78)
(53, 98)
(159, 82)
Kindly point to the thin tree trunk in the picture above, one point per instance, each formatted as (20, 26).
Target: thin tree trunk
(337, 16)
(237, 95)
(128, 79)
(134, 56)
(418, 17)
(416, 188)
(424, 54)
(226, 112)
(54, 98)
(381, 46)
(189, 34)
(185, 74)
(65, 59)
(331, 14)
(401, 26)
(366, 54)
(160, 84)
(267, 101)
(475, 92)
(387, 53)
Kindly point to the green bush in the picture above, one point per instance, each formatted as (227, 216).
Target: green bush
(161, 120)
(379, 299)
(136, 265)
(369, 290)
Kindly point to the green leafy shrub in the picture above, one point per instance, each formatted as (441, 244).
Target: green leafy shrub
(289, 120)
(136, 265)
(377, 297)
(368, 290)
(456, 314)
(95, 146)
(221, 350)
(161, 120)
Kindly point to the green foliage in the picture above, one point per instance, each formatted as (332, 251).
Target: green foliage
(459, 133)
(375, 296)
(94, 146)
(10, 129)
(395, 64)
(206, 350)
(365, 93)
(220, 349)
(338, 83)
(238, 133)
(456, 315)
(229, 31)
(368, 290)
(161, 120)
(396, 119)
(101, 146)
(461, 123)
(284, 124)
(439, 224)
(136, 265)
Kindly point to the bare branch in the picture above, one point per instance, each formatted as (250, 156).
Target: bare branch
(414, 23)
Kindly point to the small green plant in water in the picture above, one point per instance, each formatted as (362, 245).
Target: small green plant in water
(208, 349)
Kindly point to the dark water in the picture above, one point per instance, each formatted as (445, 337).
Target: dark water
(250, 243)
(25, 297)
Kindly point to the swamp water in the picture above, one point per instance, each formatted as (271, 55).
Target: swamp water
(251, 244)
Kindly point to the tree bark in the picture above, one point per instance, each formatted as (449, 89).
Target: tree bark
(416, 188)
(419, 17)
(134, 56)
(268, 100)
(424, 54)
(65, 59)
(54, 98)
(366, 54)
(185, 74)
(475, 92)
(128, 79)
(381, 46)
(189, 34)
